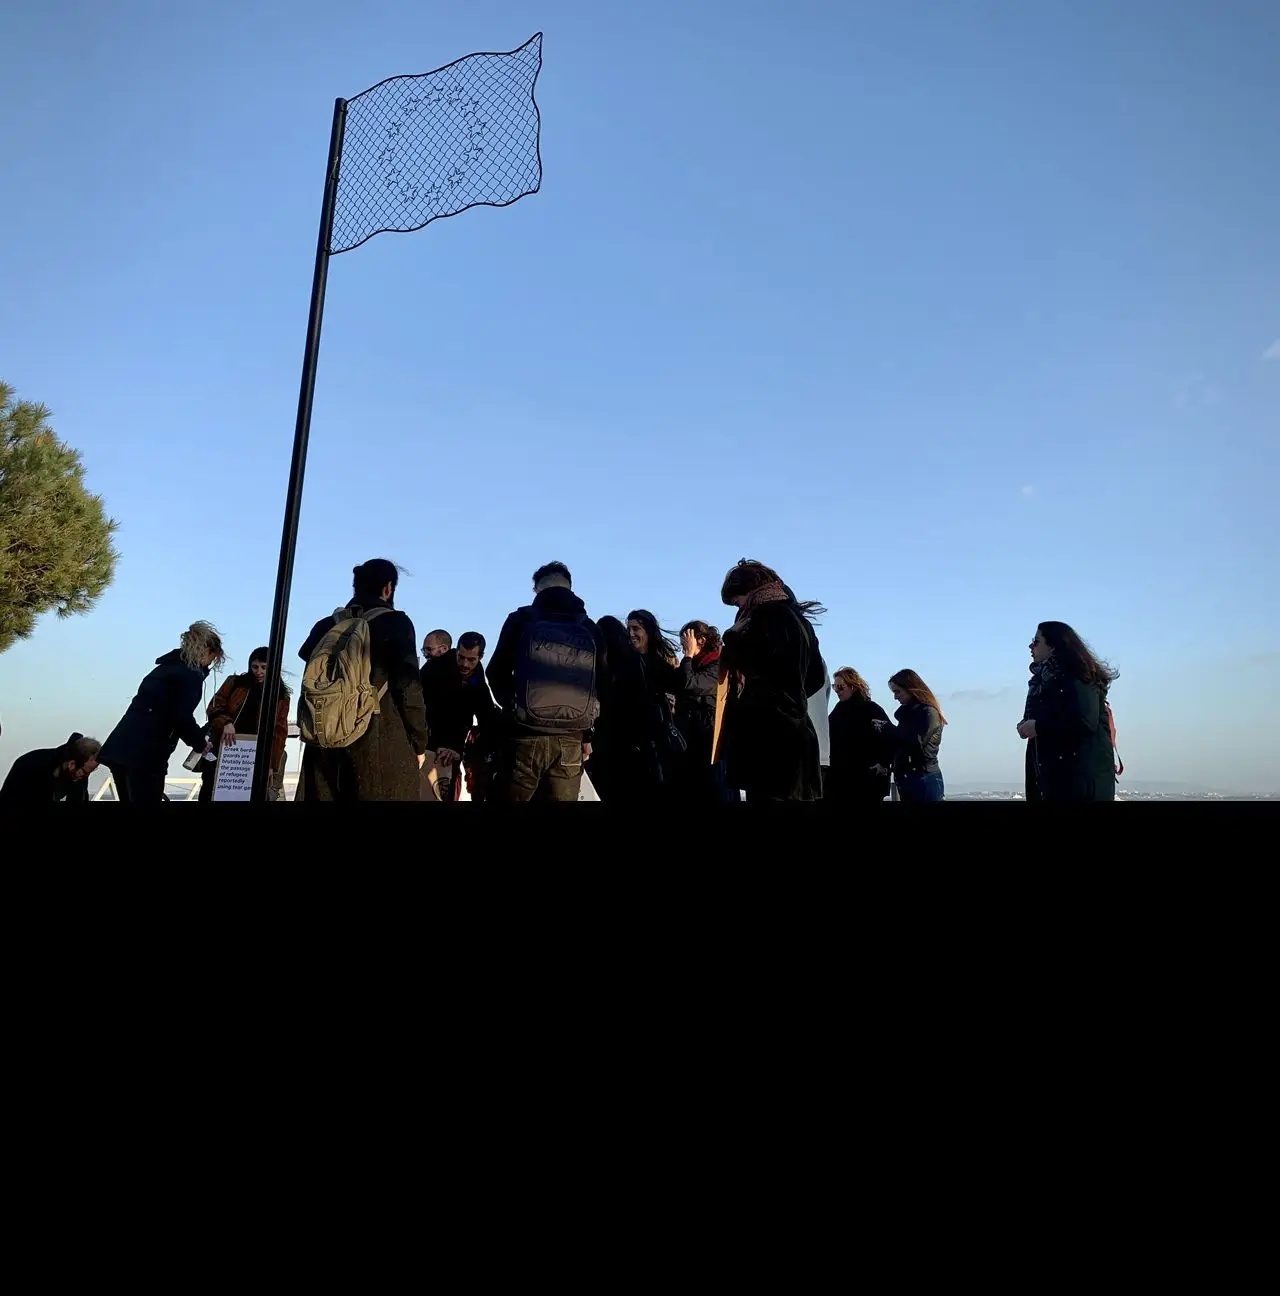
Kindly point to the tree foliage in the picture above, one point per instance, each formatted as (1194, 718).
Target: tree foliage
(56, 551)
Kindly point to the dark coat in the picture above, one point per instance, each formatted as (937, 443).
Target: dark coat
(37, 779)
(622, 762)
(916, 740)
(454, 705)
(159, 716)
(551, 604)
(381, 765)
(695, 694)
(770, 745)
(1073, 759)
(857, 744)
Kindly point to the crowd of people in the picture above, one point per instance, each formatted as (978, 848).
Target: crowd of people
(701, 717)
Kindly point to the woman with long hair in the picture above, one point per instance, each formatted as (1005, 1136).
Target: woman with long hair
(236, 712)
(162, 713)
(659, 654)
(774, 665)
(1070, 756)
(621, 767)
(383, 764)
(917, 738)
(861, 743)
(699, 673)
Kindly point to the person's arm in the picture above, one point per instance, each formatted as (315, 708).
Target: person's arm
(482, 703)
(885, 736)
(502, 665)
(318, 632)
(219, 711)
(403, 682)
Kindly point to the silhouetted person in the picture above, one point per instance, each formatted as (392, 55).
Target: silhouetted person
(383, 763)
(775, 665)
(861, 744)
(456, 694)
(624, 758)
(51, 774)
(1070, 756)
(699, 674)
(545, 676)
(138, 749)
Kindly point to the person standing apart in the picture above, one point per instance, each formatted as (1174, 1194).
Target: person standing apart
(1066, 724)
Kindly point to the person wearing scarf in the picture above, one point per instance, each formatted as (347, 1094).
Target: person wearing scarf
(772, 657)
(1064, 722)
(702, 782)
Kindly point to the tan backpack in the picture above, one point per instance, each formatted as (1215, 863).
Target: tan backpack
(337, 699)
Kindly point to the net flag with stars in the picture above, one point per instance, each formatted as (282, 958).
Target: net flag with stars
(420, 147)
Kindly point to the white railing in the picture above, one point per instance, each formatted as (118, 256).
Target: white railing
(185, 789)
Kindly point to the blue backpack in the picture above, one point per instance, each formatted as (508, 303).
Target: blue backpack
(556, 676)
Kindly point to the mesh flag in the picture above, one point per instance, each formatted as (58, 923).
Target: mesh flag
(420, 147)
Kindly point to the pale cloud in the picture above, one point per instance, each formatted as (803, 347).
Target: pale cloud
(980, 695)
(1273, 351)
(1028, 492)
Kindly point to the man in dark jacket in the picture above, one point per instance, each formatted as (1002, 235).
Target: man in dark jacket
(546, 676)
(457, 698)
(51, 774)
(384, 763)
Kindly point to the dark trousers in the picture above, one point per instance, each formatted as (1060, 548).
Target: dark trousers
(140, 785)
(540, 767)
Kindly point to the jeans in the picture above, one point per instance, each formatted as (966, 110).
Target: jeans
(541, 767)
(921, 787)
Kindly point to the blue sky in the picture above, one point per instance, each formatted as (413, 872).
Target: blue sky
(955, 313)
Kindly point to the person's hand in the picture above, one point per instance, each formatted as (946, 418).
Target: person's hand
(447, 756)
(422, 757)
(1027, 729)
(689, 642)
(229, 736)
(879, 769)
(586, 751)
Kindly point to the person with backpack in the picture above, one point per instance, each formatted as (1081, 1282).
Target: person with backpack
(546, 675)
(360, 711)
(1067, 720)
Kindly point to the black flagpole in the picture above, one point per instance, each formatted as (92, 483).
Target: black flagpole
(301, 432)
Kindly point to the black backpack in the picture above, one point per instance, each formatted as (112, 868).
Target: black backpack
(556, 676)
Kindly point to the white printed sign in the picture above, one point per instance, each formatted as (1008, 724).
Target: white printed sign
(234, 778)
